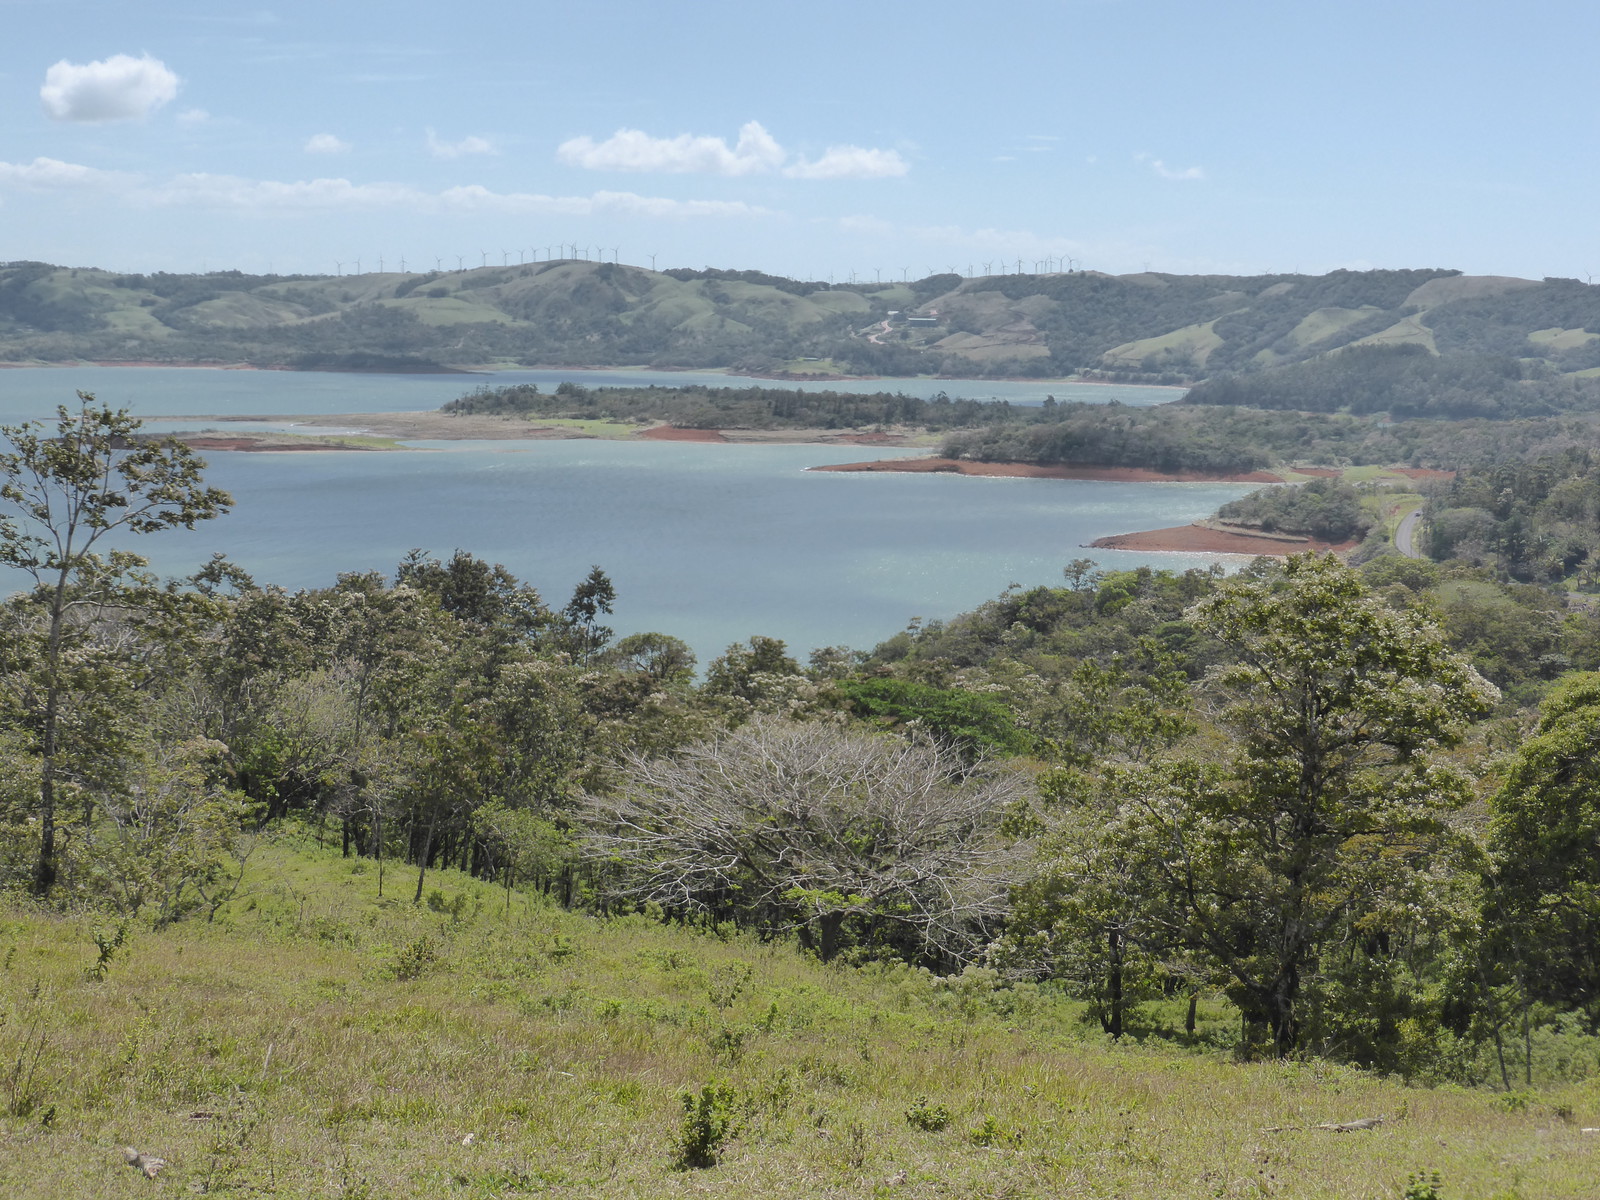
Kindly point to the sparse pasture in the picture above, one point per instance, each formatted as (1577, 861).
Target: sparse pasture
(316, 1040)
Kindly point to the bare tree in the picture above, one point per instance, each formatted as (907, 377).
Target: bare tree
(819, 829)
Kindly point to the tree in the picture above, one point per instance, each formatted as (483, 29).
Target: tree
(593, 596)
(67, 493)
(819, 829)
(1544, 896)
(1330, 820)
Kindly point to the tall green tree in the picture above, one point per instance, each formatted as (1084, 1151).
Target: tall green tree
(67, 490)
(1543, 902)
(1330, 822)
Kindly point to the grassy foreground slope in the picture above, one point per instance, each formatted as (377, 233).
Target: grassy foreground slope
(317, 1041)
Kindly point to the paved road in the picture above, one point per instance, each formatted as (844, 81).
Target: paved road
(1405, 534)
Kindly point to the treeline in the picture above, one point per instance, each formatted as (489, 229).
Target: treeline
(1225, 438)
(1533, 520)
(1406, 381)
(1140, 784)
(1328, 509)
(736, 408)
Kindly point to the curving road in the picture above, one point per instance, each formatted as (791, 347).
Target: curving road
(1405, 534)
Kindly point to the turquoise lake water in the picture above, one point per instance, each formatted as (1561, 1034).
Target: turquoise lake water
(711, 543)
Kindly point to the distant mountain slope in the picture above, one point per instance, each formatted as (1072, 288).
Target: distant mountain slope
(1148, 326)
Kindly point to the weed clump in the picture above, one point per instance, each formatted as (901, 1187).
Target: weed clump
(930, 1118)
(710, 1120)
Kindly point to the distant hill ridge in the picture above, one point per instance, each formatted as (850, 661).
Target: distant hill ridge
(1148, 326)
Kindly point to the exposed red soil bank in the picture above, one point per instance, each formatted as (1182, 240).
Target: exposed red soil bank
(671, 433)
(956, 466)
(1198, 539)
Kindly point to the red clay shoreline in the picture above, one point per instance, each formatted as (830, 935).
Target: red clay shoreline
(1200, 539)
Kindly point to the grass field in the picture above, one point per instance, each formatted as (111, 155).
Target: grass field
(316, 1040)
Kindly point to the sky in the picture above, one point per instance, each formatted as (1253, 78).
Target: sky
(875, 139)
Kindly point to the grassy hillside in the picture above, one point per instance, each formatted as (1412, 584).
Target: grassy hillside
(316, 1040)
(1149, 326)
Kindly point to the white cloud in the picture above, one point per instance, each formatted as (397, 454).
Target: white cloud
(756, 152)
(326, 195)
(467, 145)
(633, 150)
(1167, 172)
(851, 162)
(119, 88)
(326, 143)
(51, 174)
(193, 116)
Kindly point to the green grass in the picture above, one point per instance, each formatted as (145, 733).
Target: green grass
(1191, 343)
(318, 1041)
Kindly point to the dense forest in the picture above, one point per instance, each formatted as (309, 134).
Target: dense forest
(1357, 806)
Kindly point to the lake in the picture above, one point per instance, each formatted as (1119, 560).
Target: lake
(709, 542)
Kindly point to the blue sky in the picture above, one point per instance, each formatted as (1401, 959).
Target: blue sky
(877, 137)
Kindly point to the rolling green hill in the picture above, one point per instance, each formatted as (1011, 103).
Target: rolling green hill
(1169, 328)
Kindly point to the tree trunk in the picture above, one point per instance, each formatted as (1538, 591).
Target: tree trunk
(44, 872)
(1113, 1023)
(829, 926)
(1189, 1017)
(422, 859)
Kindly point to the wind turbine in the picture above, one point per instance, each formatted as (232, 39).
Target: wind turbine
(652, 262)
(987, 266)
(485, 261)
(460, 262)
(380, 264)
(905, 274)
(402, 264)
(358, 266)
(505, 258)
(438, 263)
(339, 267)
(614, 251)
(878, 271)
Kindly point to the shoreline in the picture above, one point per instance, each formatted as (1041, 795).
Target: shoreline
(1014, 470)
(499, 368)
(1202, 539)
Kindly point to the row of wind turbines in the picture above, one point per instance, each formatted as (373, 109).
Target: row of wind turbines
(559, 252)
(572, 251)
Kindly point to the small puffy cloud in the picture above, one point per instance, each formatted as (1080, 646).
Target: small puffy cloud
(326, 143)
(467, 145)
(119, 88)
(51, 174)
(850, 162)
(634, 150)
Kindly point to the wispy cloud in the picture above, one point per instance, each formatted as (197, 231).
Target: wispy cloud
(51, 174)
(267, 197)
(756, 152)
(193, 116)
(467, 145)
(1166, 172)
(327, 143)
(850, 162)
(119, 88)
